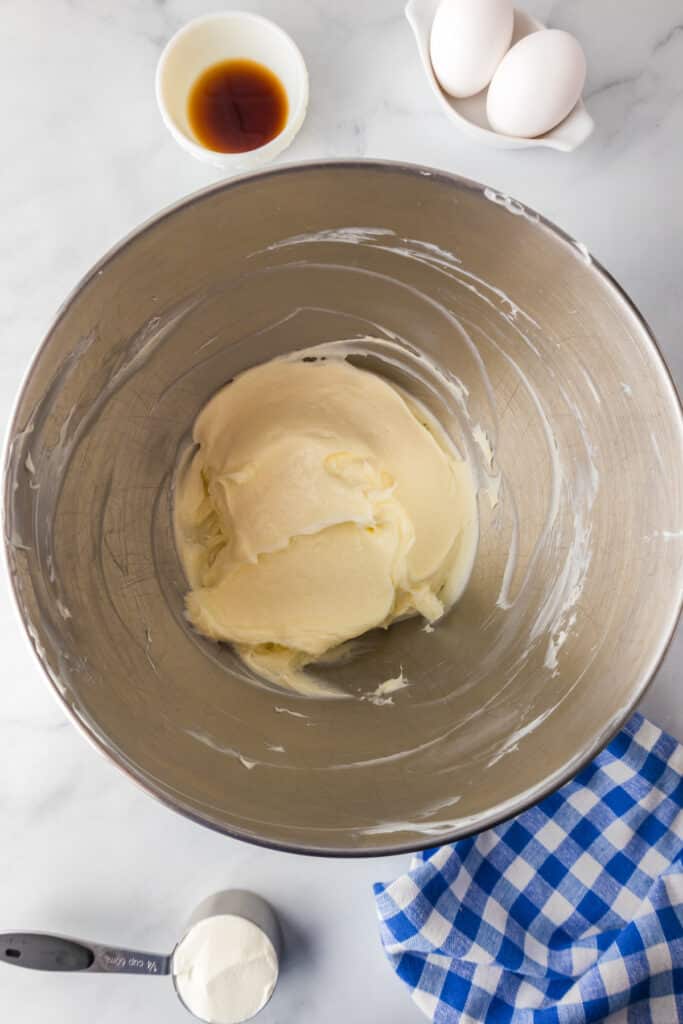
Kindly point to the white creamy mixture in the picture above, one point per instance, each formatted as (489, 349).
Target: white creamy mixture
(225, 969)
(322, 502)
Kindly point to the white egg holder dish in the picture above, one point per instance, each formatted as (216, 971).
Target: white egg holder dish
(470, 113)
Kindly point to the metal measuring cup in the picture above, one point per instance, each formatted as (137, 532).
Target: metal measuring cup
(42, 951)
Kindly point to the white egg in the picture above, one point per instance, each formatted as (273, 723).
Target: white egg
(468, 41)
(537, 84)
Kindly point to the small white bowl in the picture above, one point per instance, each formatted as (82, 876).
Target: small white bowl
(223, 36)
(470, 113)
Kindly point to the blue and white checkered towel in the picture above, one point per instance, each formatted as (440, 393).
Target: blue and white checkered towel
(572, 912)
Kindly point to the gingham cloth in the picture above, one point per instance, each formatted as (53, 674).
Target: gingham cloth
(572, 912)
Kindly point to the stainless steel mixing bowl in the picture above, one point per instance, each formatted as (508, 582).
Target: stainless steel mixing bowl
(548, 379)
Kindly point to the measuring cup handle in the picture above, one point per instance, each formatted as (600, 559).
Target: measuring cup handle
(43, 952)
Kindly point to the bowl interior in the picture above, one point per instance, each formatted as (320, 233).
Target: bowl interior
(545, 376)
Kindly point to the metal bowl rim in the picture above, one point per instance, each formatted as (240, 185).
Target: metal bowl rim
(99, 740)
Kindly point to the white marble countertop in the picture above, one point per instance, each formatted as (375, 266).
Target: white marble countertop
(85, 158)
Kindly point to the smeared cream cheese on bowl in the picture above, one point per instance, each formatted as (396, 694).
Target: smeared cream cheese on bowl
(322, 501)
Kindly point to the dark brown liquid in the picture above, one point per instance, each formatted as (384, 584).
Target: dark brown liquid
(236, 105)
